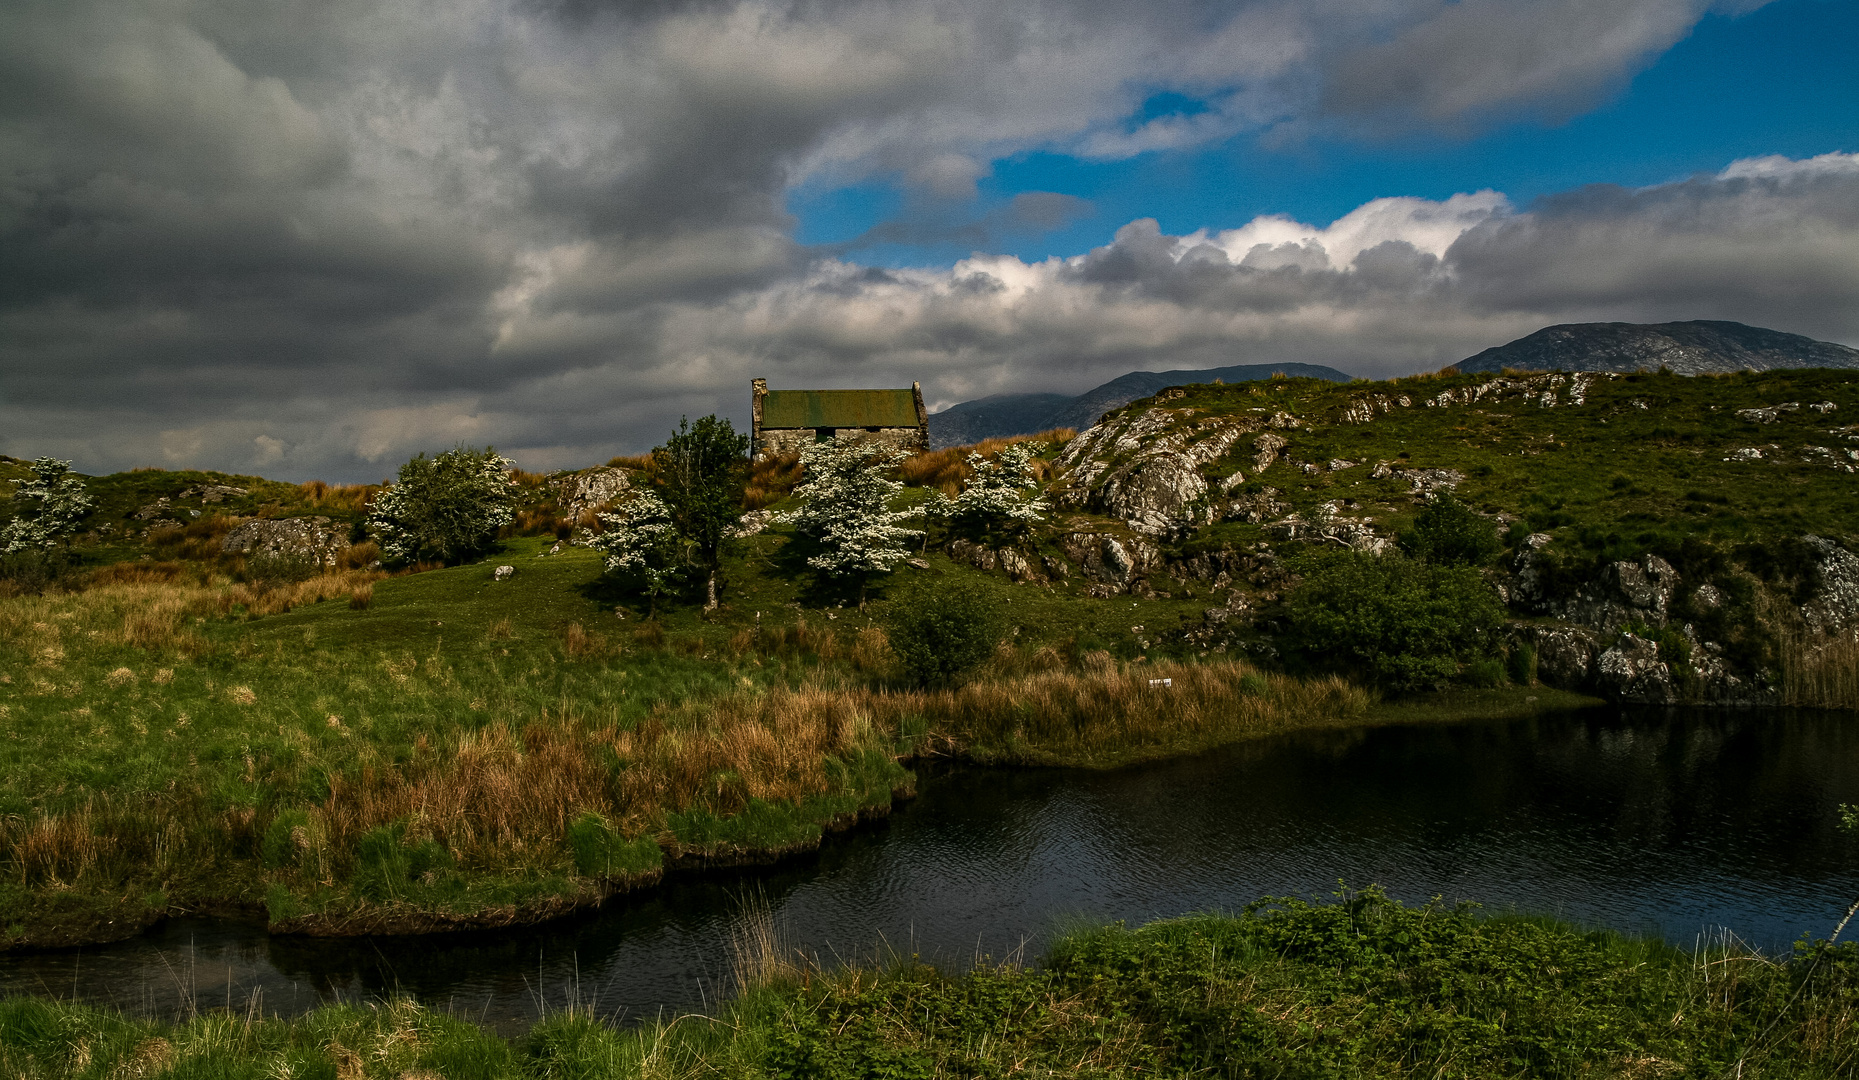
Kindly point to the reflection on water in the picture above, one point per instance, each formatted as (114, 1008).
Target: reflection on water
(1664, 823)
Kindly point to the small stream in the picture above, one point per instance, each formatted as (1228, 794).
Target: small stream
(1668, 823)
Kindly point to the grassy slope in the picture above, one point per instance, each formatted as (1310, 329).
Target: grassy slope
(1640, 463)
(1364, 988)
(333, 763)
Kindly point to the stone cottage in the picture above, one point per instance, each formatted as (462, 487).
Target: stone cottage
(785, 421)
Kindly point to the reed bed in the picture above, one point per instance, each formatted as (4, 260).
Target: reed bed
(1820, 672)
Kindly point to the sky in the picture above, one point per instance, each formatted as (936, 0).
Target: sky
(309, 240)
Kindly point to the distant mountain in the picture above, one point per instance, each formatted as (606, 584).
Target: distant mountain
(1025, 414)
(1688, 348)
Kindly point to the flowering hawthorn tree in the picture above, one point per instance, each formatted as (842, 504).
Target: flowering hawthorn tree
(1001, 495)
(845, 509)
(446, 508)
(639, 537)
(62, 503)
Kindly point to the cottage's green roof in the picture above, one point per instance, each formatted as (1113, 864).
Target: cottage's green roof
(839, 409)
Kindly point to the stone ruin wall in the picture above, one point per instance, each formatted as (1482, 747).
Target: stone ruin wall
(794, 440)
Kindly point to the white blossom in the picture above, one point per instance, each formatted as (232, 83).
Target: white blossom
(639, 537)
(845, 507)
(62, 503)
(1003, 492)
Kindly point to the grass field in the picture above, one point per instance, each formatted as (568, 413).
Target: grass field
(1362, 987)
(359, 753)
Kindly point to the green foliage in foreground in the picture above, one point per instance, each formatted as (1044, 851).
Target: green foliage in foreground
(1361, 988)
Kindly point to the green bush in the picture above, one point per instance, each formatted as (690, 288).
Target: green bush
(940, 633)
(1448, 531)
(1403, 623)
(1484, 674)
(1522, 661)
(444, 509)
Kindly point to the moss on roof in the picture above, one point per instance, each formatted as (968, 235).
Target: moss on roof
(839, 409)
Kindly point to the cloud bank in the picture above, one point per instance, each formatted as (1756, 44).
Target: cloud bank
(310, 240)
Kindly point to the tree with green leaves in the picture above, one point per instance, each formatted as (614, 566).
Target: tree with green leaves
(700, 474)
(445, 509)
(846, 509)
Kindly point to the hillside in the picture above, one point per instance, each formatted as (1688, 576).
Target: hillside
(1687, 348)
(194, 720)
(1007, 415)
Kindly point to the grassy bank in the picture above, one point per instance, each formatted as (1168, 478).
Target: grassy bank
(356, 753)
(1361, 988)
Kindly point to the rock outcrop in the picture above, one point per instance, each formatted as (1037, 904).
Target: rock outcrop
(1834, 605)
(314, 538)
(590, 489)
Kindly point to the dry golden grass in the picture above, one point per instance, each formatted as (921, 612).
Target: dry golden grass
(770, 480)
(947, 469)
(349, 498)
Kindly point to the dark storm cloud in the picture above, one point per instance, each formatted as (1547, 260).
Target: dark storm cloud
(311, 239)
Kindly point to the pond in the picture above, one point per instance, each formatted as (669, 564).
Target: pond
(1675, 824)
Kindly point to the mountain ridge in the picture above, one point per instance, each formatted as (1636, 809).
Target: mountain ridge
(1002, 415)
(1696, 347)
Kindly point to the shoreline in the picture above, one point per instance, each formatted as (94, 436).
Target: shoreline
(1359, 986)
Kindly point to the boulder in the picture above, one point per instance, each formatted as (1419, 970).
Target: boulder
(591, 489)
(314, 538)
(212, 493)
(1631, 672)
(503, 573)
(1834, 605)
(1109, 560)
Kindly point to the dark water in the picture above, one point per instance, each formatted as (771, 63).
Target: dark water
(1666, 824)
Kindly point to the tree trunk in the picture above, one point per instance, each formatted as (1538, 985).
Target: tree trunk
(710, 592)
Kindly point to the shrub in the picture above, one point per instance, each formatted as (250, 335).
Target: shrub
(444, 509)
(1448, 531)
(1403, 623)
(1522, 660)
(940, 633)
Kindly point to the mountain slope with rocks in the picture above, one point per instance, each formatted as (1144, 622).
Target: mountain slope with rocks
(1664, 539)
(1007, 415)
(1687, 348)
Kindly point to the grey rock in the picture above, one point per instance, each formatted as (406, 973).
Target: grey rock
(1834, 605)
(316, 538)
(1769, 415)
(503, 573)
(1632, 672)
(591, 489)
(212, 493)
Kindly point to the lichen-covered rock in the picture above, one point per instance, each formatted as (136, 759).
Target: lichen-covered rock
(590, 489)
(1564, 655)
(1109, 560)
(1631, 672)
(212, 493)
(753, 523)
(1624, 593)
(314, 538)
(1834, 605)
(1145, 469)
